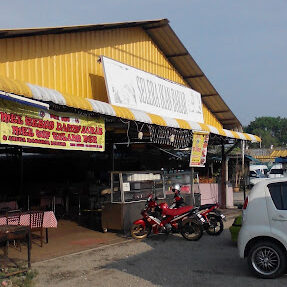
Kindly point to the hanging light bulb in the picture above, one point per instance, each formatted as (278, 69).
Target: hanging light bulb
(171, 138)
(140, 135)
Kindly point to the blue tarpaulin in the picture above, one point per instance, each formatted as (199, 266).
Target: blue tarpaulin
(281, 160)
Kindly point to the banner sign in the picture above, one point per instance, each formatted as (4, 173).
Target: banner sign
(26, 126)
(199, 149)
(132, 88)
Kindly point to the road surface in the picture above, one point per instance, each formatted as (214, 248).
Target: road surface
(157, 261)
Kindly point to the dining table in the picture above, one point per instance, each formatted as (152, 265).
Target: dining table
(12, 204)
(49, 220)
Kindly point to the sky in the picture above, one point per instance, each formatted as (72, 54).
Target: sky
(241, 46)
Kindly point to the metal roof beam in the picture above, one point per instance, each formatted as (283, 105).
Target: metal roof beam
(177, 55)
(210, 95)
(221, 112)
(228, 121)
(155, 27)
(193, 76)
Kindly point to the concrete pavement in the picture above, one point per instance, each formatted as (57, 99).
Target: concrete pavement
(157, 261)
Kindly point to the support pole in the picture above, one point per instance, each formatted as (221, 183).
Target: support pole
(224, 171)
(192, 187)
(228, 197)
(223, 177)
(113, 157)
(243, 169)
(20, 154)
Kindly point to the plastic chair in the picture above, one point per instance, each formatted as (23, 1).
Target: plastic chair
(36, 224)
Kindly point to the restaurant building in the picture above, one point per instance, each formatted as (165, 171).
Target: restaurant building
(79, 102)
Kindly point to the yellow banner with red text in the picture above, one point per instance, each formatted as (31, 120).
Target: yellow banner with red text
(199, 149)
(28, 126)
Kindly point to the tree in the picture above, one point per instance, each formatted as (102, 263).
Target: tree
(272, 130)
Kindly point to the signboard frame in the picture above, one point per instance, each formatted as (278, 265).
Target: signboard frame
(34, 127)
(133, 88)
(199, 149)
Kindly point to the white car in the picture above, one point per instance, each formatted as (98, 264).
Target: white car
(263, 236)
(262, 168)
(277, 170)
(255, 177)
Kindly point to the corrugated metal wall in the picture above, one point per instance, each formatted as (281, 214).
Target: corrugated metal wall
(68, 62)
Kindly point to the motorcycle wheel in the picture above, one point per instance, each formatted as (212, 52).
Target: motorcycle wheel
(215, 225)
(191, 230)
(138, 231)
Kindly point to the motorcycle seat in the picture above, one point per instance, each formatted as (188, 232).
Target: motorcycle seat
(206, 206)
(177, 211)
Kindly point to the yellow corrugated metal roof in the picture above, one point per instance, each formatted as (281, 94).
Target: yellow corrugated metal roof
(165, 38)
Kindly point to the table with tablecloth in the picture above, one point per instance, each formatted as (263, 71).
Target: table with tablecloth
(9, 204)
(49, 220)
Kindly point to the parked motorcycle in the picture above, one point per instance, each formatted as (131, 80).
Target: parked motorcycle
(213, 224)
(212, 217)
(160, 218)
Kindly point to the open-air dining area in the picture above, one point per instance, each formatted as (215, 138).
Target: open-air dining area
(69, 237)
(50, 203)
(18, 227)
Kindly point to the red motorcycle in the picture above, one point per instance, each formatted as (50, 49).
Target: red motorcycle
(160, 218)
(213, 218)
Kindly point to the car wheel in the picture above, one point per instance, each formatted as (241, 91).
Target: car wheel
(267, 260)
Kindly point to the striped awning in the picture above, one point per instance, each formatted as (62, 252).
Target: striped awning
(279, 153)
(49, 95)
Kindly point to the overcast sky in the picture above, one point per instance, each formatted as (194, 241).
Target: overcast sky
(241, 46)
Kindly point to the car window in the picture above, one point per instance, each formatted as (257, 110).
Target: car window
(278, 192)
(276, 171)
(252, 174)
(284, 195)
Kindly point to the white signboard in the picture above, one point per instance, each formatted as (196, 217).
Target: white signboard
(126, 186)
(132, 88)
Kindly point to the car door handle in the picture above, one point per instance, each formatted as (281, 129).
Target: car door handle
(279, 218)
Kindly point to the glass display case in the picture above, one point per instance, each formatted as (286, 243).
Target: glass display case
(130, 186)
(130, 189)
(183, 178)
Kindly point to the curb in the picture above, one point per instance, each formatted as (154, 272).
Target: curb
(81, 252)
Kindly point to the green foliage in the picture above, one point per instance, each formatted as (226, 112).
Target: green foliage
(24, 279)
(235, 228)
(273, 131)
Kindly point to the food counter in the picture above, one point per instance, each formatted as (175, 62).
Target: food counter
(130, 190)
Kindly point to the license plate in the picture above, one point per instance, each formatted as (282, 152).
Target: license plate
(222, 216)
(200, 217)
